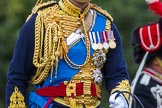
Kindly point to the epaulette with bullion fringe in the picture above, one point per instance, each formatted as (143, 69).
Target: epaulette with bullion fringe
(42, 5)
(100, 10)
(39, 6)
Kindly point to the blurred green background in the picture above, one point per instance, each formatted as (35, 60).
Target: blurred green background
(127, 14)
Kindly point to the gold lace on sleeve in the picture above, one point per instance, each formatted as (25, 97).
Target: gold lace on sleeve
(123, 86)
(17, 99)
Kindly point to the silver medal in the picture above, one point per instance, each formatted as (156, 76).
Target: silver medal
(105, 45)
(94, 46)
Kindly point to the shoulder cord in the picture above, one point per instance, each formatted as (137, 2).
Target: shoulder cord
(43, 61)
(135, 98)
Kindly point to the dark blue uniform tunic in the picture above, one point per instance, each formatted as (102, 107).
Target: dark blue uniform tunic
(21, 68)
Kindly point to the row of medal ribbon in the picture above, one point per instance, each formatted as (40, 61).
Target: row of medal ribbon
(102, 40)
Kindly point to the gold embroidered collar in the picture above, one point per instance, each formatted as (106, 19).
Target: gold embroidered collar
(71, 9)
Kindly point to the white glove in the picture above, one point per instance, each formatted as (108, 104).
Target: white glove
(151, 1)
(119, 102)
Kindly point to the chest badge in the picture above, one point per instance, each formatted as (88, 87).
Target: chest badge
(99, 59)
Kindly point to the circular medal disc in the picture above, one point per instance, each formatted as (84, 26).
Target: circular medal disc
(105, 45)
(100, 46)
(112, 44)
(94, 46)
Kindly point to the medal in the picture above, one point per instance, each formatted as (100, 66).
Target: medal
(99, 45)
(92, 41)
(104, 38)
(94, 46)
(112, 44)
(99, 59)
(105, 45)
(111, 39)
(99, 41)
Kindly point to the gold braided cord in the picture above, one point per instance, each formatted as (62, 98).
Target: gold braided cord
(51, 42)
(38, 41)
(104, 12)
(84, 13)
(50, 45)
(42, 72)
(53, 48)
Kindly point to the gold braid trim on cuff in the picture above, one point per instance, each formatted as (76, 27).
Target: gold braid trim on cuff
(17, 99)
(123, 86)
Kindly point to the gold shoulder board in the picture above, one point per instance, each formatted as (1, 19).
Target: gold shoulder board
(42, 5)
(100, 10)
(39, 6)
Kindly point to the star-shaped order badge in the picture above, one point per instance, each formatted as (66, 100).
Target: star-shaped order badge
(99, 59)
(97, 75)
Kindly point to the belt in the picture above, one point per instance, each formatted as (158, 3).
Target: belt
(71, 90)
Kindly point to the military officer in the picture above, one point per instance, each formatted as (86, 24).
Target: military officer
(65, 49)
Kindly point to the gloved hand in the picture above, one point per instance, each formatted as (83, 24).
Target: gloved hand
(151, 1)
(117, 101)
